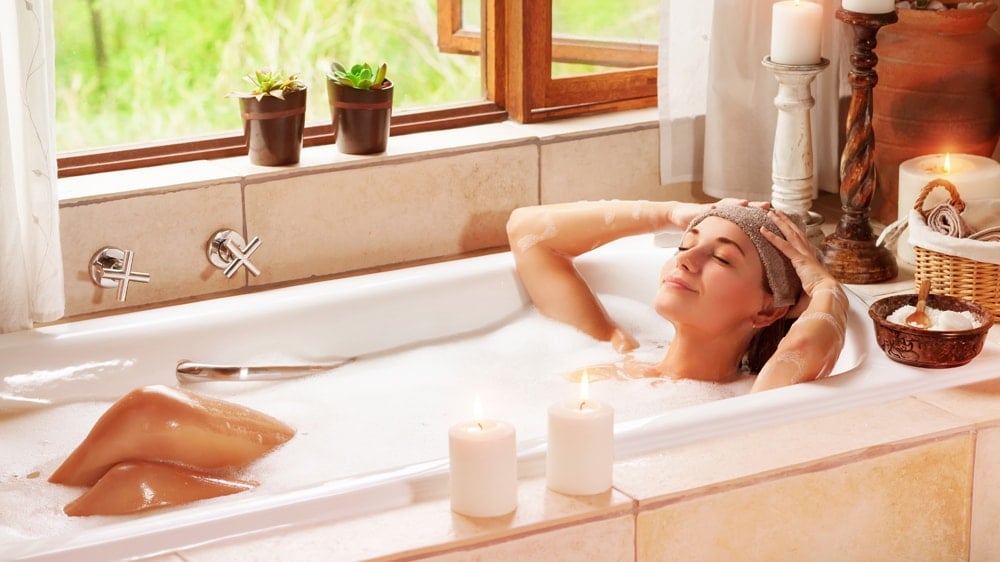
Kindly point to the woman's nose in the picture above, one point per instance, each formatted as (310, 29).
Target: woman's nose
(687, 260)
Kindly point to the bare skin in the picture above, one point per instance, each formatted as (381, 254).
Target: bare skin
(134, 486)
(712, 291)
(171, 425)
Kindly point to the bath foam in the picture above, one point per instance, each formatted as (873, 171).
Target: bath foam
(550, 231)
(382, 411)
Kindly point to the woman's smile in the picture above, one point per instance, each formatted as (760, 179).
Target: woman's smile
(672, 282)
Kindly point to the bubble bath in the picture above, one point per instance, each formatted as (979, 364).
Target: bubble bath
(429, 340)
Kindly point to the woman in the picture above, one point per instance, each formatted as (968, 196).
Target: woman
(740, 275)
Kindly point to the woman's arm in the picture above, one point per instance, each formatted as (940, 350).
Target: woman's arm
(544, 240)
(810, 348)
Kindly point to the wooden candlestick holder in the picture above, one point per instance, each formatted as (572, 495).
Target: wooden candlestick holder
(792, 158)
(850, 252)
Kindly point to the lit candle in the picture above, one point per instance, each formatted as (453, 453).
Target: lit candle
(483, 467)
(869, 6)
(580, 454)
(975, 177)
(796, 32)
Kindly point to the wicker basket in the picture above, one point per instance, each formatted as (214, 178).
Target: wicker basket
(952, 275)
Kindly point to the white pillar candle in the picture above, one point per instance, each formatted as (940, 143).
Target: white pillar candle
(483, 467)
(869, 6)
(975, 177)
(796, 32)
(580, 455)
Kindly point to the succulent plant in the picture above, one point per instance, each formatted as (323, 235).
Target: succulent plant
(360, 76)
(267, 82)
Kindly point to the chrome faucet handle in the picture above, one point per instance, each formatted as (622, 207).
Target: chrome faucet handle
(228, 251)
(112, 267)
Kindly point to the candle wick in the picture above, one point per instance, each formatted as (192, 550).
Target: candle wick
(582, 404)
(480, 424)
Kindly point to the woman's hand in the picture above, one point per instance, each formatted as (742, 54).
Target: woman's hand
(681, 214)
(795, 245)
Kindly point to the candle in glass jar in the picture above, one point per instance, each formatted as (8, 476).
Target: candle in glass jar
(869, 6)
(975, 177)
(796, 32)
(580, 454)
(483, 466)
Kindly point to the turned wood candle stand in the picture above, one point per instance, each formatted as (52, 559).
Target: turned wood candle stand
(850, 252)
(792, 158)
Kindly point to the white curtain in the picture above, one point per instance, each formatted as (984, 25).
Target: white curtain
(685, 27)
(31, 276)
(721, 44)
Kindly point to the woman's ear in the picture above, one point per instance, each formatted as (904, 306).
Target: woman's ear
(769, 315)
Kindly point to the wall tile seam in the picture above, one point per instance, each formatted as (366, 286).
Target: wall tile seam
(798, 469)
(594, 133)
(249, 288)
(68, 203)
(970, 507)
(971, 422)
(494, 538)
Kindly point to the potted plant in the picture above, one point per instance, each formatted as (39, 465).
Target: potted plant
(274, 117)
(360, 106)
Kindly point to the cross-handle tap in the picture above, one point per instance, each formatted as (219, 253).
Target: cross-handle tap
(112, 267)
(228, 251)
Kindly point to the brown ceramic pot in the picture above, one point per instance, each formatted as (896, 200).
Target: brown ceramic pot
(273, 128)
(938, 91)
(361, 118)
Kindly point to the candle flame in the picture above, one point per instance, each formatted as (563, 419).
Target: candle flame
(477, 411)
(584, 387)
(947, 162)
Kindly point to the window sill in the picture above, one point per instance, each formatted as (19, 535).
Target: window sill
(95, 188)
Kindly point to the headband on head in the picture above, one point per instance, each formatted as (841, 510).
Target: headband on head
(781, 278)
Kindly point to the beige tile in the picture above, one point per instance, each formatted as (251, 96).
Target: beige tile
(168, 233)
(764, 453)
(911, 504)
(430, 529)
(107, 186)
(985, 540)
(609, 540)
(614, 166)
(979, 402)
(359, 218)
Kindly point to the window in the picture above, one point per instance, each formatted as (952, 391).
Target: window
(161, 91)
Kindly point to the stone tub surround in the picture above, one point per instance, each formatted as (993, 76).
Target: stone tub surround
(431, 196)
(906, 480)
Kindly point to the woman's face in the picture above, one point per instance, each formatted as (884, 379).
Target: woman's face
(715, 281)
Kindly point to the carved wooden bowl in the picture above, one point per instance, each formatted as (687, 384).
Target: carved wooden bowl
(936, 349)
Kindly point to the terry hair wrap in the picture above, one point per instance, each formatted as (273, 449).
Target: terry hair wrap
(781, 278)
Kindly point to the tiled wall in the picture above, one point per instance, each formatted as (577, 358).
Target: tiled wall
(331, 215)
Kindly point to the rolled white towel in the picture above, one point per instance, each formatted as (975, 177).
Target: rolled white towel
(947, 220)
(991, 234)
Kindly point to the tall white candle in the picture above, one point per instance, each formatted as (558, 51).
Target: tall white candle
(975, 177)
(483, 467)
(580, 455)
(869, 6)
(796, 32)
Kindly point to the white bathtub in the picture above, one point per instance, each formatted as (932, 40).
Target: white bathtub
(55, 381)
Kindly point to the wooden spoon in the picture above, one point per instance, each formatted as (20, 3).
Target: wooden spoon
(919, 319)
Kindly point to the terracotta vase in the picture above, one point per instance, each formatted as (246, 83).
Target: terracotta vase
(938, 91)
(361, 118)
(273, 128)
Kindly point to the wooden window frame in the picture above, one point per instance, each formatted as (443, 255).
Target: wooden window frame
(519, 50)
